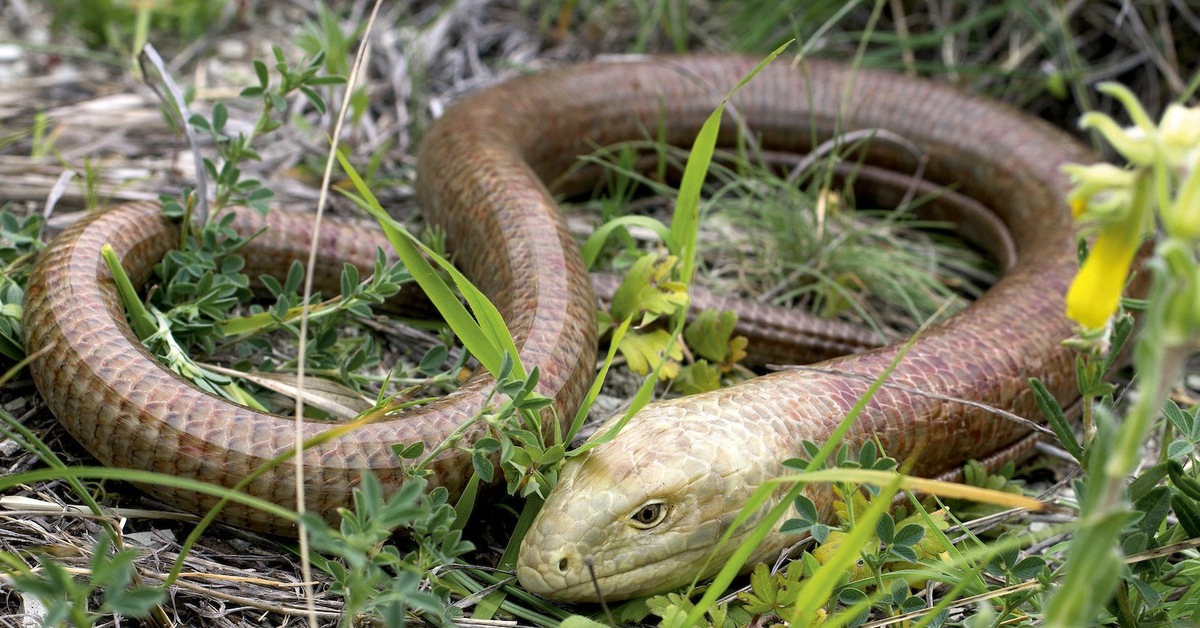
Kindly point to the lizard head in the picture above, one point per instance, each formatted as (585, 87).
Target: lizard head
(643, 513)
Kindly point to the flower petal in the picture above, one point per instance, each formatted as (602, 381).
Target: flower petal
(1096, 290)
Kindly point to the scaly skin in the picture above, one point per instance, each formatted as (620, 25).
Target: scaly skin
(700, 457)
(481, 170)
(130, 412)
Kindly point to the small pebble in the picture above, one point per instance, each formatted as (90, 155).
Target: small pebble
(9, 448)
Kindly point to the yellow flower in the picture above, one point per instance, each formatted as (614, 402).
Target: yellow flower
(1096, 290)
(1115, 203)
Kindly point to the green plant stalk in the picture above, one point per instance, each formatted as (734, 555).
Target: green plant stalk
(487, 607)
(1093, 564)
(642, 397)
(593, 392)
(534, 503)
(236, 494)
(594, 244)
(850, 613)
(16, 431)
(145, 325)
(264, 320)
(40, 146)
(1093, 560)
(141, 34)
(463, 579)
(454, 437)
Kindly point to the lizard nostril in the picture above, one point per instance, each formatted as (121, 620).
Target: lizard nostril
(563, 565)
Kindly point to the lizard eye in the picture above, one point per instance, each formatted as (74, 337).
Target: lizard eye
(649, 514)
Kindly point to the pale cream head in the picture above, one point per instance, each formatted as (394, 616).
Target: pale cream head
(645, 510)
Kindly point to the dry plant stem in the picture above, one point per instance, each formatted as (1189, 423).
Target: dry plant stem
(298, 431)
(184, 582)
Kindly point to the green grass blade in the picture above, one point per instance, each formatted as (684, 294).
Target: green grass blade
(17, 432)
(140, 319)
(733, 566)
(684, 222)
(640, 399)
(485, 335)
(598, 383)
(595, 242)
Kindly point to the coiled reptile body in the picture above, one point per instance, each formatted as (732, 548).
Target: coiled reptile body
(481, 171)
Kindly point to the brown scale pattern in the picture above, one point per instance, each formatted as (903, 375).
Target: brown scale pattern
(1001, 162)
(481, 171)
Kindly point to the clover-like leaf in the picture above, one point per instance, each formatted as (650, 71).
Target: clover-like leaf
(698, 377)
(647, 290)
(643, 350)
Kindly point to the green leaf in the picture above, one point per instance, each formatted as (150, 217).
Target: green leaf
(579, 621)
(313, 98)
(411, 451)
(1188, 514)
(552, 455)
(1182, 481)
(644, 350)
(1028, 568)
(709, 335)
(433, 359)
(1154, 506)
(698, 377)
(903, 553)
(909, 535)
(264, 77)
(1147, 480)
(805, 508)
(134, 602)
(483, 467)
(1183, 421)
(885, 529)
(139, 318)
(764, 593)
(349, 280)
(220, 115)
(647, 290)
(1058, 421)
(1177, 449)
(198, 121)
